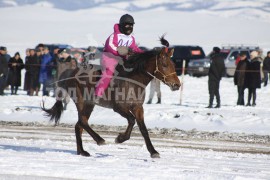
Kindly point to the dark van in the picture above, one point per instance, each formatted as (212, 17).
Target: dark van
(186, 53)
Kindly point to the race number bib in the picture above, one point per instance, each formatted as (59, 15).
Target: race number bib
(124, 40)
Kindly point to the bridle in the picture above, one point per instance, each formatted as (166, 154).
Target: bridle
(164, 76)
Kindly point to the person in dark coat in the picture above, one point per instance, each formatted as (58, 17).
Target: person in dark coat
(14, 78)
(4, 51)
(63, 62)
(266, 68)
(240, 77)
(216, 70)
(45, 74)
(53, 64)
(26, 86)
(33, 66)
(253, 77)
(39, 56)
(3, 71)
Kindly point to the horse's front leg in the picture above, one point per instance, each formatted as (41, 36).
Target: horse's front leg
(126, 135)
(139, 115)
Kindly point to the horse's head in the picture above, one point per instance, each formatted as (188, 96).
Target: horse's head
(165, 70)
(156, 63)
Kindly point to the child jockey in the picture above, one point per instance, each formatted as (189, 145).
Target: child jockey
(117, 47)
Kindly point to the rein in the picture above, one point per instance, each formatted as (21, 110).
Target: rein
(164, 76)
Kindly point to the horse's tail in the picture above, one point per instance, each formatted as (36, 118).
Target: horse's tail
(163, 41)
(55, 112)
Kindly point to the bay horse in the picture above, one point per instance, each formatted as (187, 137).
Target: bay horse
(126, 95)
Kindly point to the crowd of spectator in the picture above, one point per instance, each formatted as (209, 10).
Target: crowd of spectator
(42, 68)
(250, 74)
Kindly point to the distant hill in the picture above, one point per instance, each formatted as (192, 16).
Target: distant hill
(243, 8)
(138, 5)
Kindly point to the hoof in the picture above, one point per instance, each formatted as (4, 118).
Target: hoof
(121, 138)
(155, 155)
(117, 140)
(84, 153)
(100, 143)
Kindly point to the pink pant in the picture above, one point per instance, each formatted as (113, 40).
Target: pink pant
(109, 62)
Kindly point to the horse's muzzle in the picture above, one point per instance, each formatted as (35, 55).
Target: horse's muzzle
(175, 87)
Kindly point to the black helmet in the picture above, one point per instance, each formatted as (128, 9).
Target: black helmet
(126, 19)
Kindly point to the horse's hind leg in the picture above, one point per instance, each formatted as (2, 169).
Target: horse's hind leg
(78, 133)
(81, 125)
(83, 121)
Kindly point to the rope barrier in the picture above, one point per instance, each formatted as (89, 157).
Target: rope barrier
(196, 69)
(177, 69)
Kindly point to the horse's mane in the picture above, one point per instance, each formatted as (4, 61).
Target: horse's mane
(137, 61)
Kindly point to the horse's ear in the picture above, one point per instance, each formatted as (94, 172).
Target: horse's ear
(164, 50)
(170, 52)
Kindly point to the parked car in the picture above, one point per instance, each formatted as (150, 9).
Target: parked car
(187, 53)
(201, 67)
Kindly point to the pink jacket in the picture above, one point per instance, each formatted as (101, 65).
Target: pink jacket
(118, 39)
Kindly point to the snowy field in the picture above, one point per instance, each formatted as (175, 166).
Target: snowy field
(232, 142)
(49, 153)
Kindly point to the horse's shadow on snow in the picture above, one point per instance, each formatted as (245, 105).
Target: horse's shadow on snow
(28, 107)
(100, 155)
(44, 150)
(34, 149)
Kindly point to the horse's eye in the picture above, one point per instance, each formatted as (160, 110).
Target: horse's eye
(164, 62)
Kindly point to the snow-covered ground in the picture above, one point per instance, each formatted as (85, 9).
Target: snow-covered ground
(49, 153)
(43, 152)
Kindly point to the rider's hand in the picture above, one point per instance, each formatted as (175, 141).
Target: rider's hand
(130, 51)
(123, 50)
